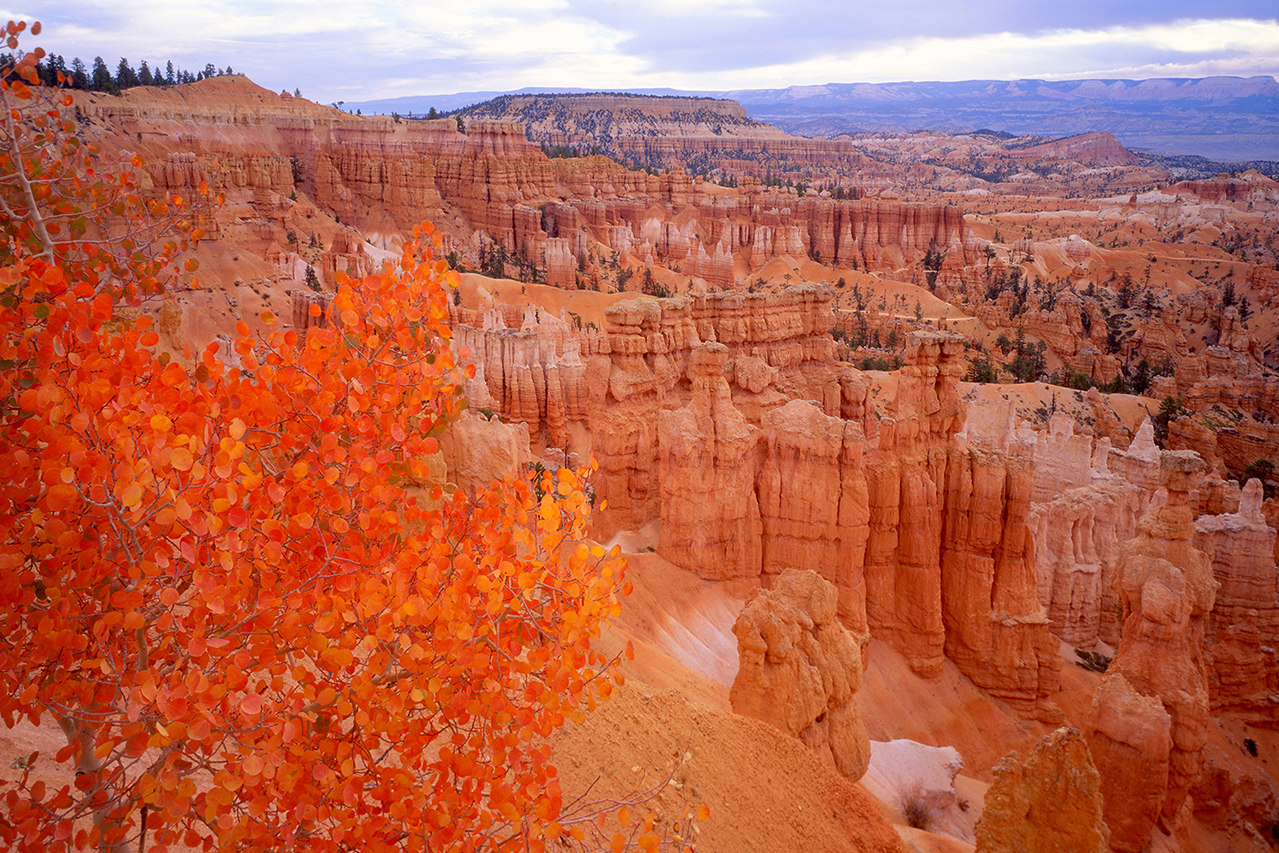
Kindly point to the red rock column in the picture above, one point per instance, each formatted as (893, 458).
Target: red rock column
(813, 502)
(1167, 589)
(904, 590)
(996, 630)
(1243, 628)
(710, 515)
(800, 670)
(1049, 803)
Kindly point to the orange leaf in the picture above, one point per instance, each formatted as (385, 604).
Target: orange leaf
(182, 459)
(251, 704)
(617, 843)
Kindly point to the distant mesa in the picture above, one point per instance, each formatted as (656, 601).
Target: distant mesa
(1230, 119)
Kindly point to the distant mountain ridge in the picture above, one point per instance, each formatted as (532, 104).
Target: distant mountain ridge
(1221, 118)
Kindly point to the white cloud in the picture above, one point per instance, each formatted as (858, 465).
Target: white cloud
(365, 50)
(1192, 48)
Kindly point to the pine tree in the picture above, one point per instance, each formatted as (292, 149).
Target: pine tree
(102, 80)
(125, 76)
(79, 74)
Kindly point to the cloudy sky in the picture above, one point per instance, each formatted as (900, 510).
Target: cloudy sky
(354, 51)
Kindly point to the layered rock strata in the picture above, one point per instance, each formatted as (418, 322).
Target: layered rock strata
(1077, 536)
(950, 569)
(813, 502)
(536, 374)
(906, 483)
(996, 630)
(926, 538)
(487, 183)
(768, 341)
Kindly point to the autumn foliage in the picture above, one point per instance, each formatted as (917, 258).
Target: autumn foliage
(216, 574)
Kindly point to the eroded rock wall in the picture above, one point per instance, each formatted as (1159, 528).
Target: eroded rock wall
(710, 515)
(812, 498)
(996, 630)
(906, 480)
(1167, 590)
(536, 374)
(1242, 630)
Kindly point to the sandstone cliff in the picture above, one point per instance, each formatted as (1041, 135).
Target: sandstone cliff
(1242, 630)
(664, 132)
(488, 185)
(1166, 588)
(950, 567)
(813, 502)
(707, 448)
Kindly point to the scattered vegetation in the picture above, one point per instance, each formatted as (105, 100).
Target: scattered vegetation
(932, 264)
(1092, 661)
(1170, 408)
(981, 369)
(1260, 469)
(875, 362)
(916, 809)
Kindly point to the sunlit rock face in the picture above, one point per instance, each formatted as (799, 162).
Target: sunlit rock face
(1049, 803)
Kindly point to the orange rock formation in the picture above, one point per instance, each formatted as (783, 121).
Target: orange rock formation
(1050, 803)
(800, 669)
(707, 447)
(1242, 629)
(1167, 590)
